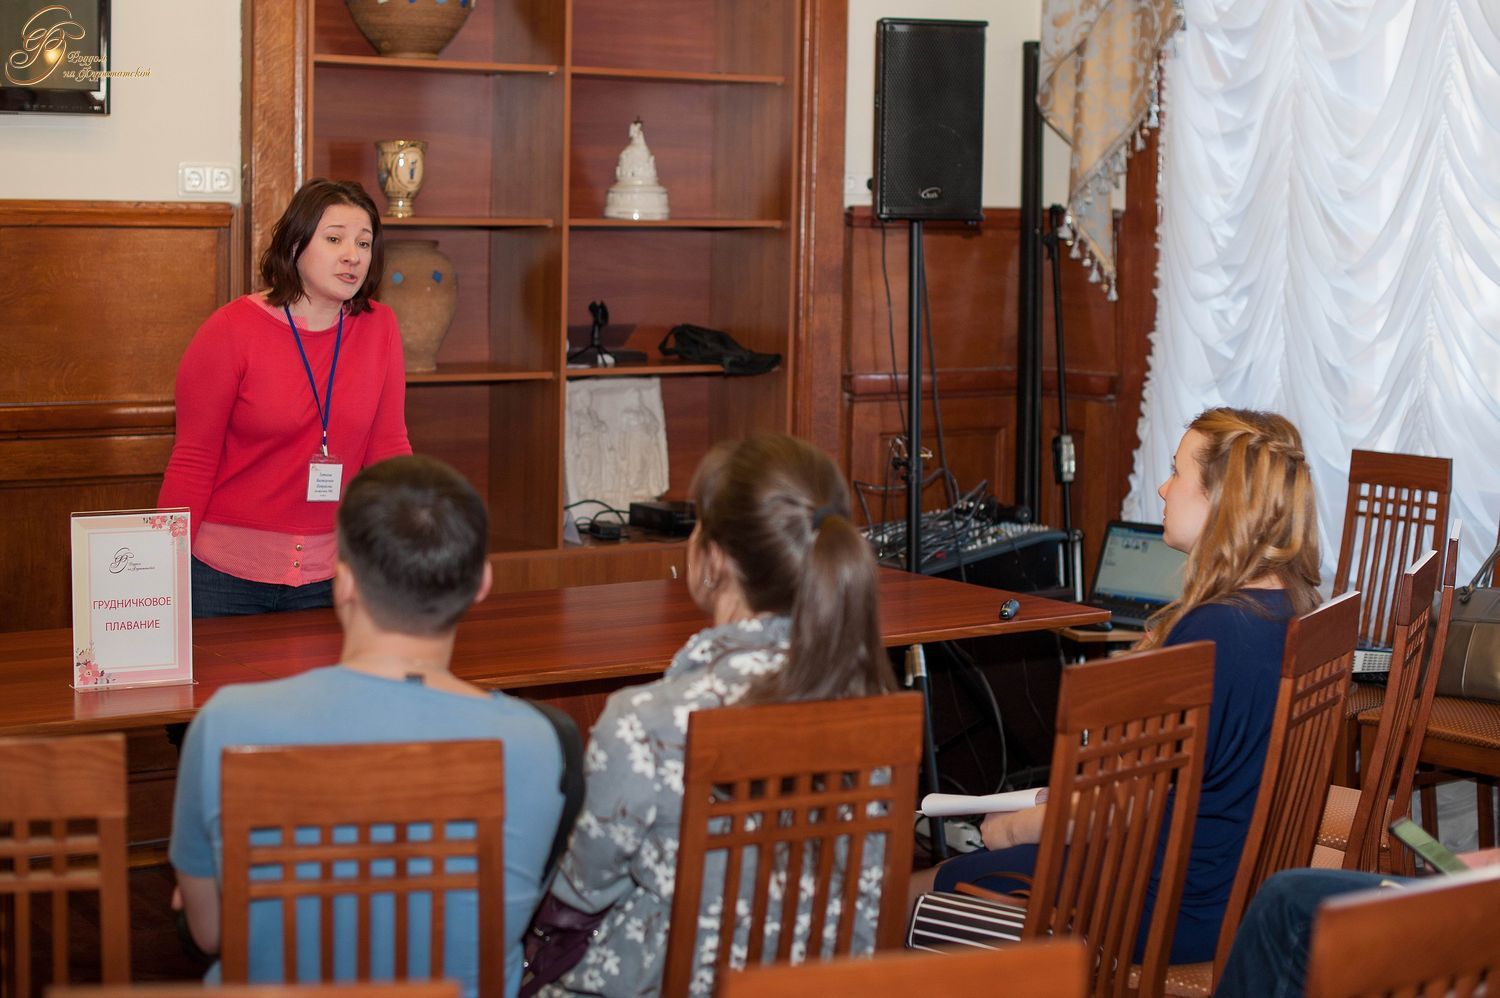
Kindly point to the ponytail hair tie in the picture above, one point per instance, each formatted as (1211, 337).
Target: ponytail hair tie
(822, 513)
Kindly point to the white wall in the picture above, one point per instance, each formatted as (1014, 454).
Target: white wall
(187, 110)
(1011, 22)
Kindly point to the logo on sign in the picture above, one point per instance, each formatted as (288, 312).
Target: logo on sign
(44, 46)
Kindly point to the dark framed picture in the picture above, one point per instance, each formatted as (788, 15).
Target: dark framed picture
(54, 57)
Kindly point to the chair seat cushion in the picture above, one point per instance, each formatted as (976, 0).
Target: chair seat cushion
(1190, 980)
(1363, 697)
(1470, 722)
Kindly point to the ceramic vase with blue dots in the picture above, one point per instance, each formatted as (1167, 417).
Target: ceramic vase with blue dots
(421, 287)
(409, 29)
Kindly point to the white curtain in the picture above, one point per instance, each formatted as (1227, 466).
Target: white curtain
(1330, 239)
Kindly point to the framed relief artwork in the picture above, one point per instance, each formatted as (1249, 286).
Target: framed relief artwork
(56, 56)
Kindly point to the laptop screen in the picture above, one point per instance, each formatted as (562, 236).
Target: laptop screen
(1137, 565)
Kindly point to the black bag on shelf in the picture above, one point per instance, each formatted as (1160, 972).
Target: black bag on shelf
(698, 345)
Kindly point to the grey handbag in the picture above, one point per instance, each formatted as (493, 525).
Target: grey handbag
(1471, 662)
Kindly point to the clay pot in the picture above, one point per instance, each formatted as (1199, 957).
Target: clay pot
(413, 29)
(421, 287)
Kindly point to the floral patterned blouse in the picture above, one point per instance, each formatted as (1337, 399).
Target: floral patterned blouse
(623, 852)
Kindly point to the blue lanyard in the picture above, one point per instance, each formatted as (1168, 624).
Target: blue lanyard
(326, 406)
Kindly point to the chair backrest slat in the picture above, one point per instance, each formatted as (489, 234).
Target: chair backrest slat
(1433, 938)
(62, 830)
(1396, 508)
(793, 798)
(1396, 740)
(308, 791)
(1315, 671)
(1130, 735)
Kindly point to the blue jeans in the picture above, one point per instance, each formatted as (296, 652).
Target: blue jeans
(1269, 959)
(219, 594)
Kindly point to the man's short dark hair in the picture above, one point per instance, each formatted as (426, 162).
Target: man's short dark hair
(414, 532)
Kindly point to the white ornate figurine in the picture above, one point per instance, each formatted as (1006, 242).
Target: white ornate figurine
(635, 193)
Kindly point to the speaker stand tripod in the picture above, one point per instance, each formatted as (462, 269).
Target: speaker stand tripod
(911, 470)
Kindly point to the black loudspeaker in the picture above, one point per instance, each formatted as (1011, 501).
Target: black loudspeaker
(929, 119)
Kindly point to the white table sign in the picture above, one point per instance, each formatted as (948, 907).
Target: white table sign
(132, 599)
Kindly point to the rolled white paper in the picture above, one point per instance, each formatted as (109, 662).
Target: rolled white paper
(950, 805)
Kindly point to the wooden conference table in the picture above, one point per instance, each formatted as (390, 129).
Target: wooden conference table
(571, 647)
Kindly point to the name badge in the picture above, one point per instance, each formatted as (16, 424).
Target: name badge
(325, 478)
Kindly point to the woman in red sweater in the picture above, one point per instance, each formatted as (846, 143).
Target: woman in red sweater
(282, 396)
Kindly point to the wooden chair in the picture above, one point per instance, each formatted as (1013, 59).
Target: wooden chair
(1433, 938)
(1057, 969)
(1396, 508)
(62, 829)
(1353, 831)
(1131, 734)
(795, 793)
(399, 989)
(1284, 826)
(316, 789)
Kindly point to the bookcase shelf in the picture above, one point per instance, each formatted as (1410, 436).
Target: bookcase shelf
(525, 114)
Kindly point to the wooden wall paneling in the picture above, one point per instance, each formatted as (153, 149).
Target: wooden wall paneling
(976, 430)
(972, 275)
(818, 331)
(35, 570)
(101, 299)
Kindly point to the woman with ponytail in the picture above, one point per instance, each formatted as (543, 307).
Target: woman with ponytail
(1240, 503)
(789, 584)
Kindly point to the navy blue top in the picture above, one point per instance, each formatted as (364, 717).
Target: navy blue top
(1249, 635)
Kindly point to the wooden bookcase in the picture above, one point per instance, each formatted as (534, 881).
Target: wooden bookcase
(525, 113)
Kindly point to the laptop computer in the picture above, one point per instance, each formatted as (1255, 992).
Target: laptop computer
(1137, 573)
(1372, 664)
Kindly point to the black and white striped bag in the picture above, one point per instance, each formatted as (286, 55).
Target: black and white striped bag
(942, 920)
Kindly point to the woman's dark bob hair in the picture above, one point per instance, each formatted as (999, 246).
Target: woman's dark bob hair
(295, 229)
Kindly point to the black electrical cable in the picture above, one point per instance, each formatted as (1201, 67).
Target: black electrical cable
(981, 680)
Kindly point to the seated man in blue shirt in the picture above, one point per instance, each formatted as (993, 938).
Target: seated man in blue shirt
(411, 560)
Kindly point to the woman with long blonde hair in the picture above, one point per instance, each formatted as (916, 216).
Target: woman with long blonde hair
(1240, 503)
